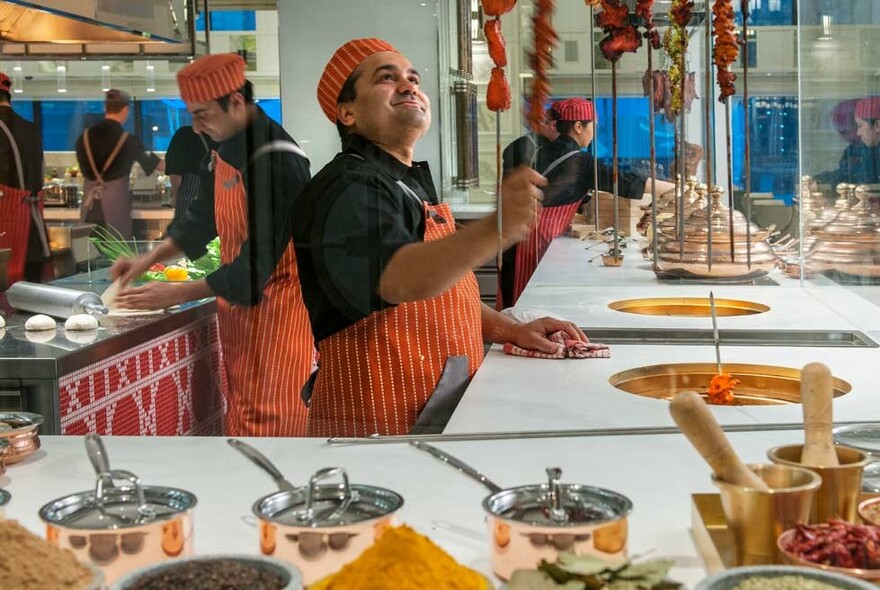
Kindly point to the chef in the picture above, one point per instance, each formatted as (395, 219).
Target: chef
(255, 176)
(523, 149)
(21, 180)
(860, 162)
(569, 172)
(105, 153)
(387, 278)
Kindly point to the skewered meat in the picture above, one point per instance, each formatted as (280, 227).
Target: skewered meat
(614, 15)
(497, 7)
(645, 11)
(726, 47)
(721, 388)
(682, 12)
(659, 87)
(495, 39)
(620, 42)
(541, 60)
(498, 92)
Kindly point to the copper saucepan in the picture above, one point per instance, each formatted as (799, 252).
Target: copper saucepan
(120, 528)
(531, 523)
(319, 527)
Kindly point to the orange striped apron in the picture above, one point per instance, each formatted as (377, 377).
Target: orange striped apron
(378, 374)
(550, 224)
(17, 208)
(268, 349)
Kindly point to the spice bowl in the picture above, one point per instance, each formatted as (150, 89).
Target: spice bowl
(203, 571)
(19, 431)
(612, 260)
(869, 511)
(763, 576)
(790, 557)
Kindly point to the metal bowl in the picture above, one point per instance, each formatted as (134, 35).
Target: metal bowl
(687, 306)
(288, 573)
(790, 558)
(759, 385)
(22, 437)
(867, 511)
(729, 579)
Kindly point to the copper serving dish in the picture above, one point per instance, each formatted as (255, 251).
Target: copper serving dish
(850, 241)
(687, 306)
(691, 256)
(20, 434)
(760, 385)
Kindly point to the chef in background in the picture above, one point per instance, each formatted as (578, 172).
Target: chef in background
(255, 175)
(105, 153)
(860, 162)
(387, 277)
(185, 161)
(21, 180)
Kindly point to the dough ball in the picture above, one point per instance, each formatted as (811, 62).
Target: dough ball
(40, 336)
(40, 322)
(2, 322)
(81, 321)
(81, 336)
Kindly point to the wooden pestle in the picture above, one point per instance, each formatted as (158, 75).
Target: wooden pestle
(698, 424)
(816, 396)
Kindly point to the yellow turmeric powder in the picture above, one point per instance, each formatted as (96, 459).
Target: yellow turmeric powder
(402, 559)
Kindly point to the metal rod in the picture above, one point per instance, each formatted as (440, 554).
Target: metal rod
(747, 147)
(715, 336)
(682, 147)
(589, 432)
(595, 126)
(651, 127)
(707, 113)
(614, 170)
(500, 253)
(729, 172)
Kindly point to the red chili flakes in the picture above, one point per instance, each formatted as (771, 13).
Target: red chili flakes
(837, 543)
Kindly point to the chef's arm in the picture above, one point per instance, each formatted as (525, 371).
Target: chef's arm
(128, 269)
(501, 329)
(423, 270)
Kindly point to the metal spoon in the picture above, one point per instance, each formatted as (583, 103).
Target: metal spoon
(715, 332)
(457, 464)
(260, 460)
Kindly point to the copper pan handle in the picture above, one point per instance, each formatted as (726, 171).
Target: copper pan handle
(261, 461)
(457, 464)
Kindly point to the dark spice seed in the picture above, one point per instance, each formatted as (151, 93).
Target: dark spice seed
(216, 574)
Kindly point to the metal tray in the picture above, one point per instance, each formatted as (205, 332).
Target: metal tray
(684, 336)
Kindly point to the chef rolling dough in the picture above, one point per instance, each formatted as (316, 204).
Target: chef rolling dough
(39, 323)
(81, 322)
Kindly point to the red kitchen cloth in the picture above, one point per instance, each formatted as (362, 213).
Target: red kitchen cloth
(568, 349)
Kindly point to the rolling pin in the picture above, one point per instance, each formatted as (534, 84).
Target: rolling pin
(816, 396)
(698, 424)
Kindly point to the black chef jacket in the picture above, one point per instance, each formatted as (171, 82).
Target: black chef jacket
(186, 155)
(350, 220)
(273, 183)
(103, 137)
(859, 164)
(522, 151)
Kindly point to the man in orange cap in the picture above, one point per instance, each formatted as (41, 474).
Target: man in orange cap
(860, 163)
(255, 175)
(21, 179)
(387, 279)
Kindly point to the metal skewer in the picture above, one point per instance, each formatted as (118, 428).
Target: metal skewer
(709, 104)
(651, 115)
(615, 167)
(729, 172)
(747, 163)
(715, 333)
(596, 125)
(500, 253)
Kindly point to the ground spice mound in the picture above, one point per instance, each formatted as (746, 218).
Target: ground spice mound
(214, 574)
(31, 563)
(402, 559)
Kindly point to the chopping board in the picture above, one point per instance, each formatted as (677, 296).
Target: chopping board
(109, 299)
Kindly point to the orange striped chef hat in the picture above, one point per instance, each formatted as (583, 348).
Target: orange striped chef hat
(575, 109)
(868, 108)
(211, 77)
(345, 61)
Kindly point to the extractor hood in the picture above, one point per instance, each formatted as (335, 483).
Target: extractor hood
(68, 28)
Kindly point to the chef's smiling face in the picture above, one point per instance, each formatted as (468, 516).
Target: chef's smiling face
(389, 98)
(210, 119)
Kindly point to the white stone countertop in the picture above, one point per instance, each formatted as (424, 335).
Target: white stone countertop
(658, 473)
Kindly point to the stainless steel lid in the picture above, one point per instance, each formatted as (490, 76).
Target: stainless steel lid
(864, 437)
(328, 505)
(554, 504)
(16, 422)
(112, 507)
(4, 497)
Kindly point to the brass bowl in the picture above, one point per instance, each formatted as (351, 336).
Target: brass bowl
(687, 306)
(22, 439)
(760, 385)
(611, 260)
(869, 510)
(872, 575)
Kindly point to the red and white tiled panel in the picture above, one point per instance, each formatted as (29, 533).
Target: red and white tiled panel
(173, 385)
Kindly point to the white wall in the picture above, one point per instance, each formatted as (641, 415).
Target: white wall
(311, 30)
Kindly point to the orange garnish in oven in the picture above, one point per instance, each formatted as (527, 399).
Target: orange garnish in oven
(721, 389)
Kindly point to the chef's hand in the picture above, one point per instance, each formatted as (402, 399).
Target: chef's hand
(521, 195)
(533, 335)
(152, 295)
(129, 269)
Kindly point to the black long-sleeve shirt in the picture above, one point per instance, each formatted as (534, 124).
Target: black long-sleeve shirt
(351, 219)
(573, 179)
(103, 137)
(273, 182)
(30, 148)
(522, 150)
(859, 164)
